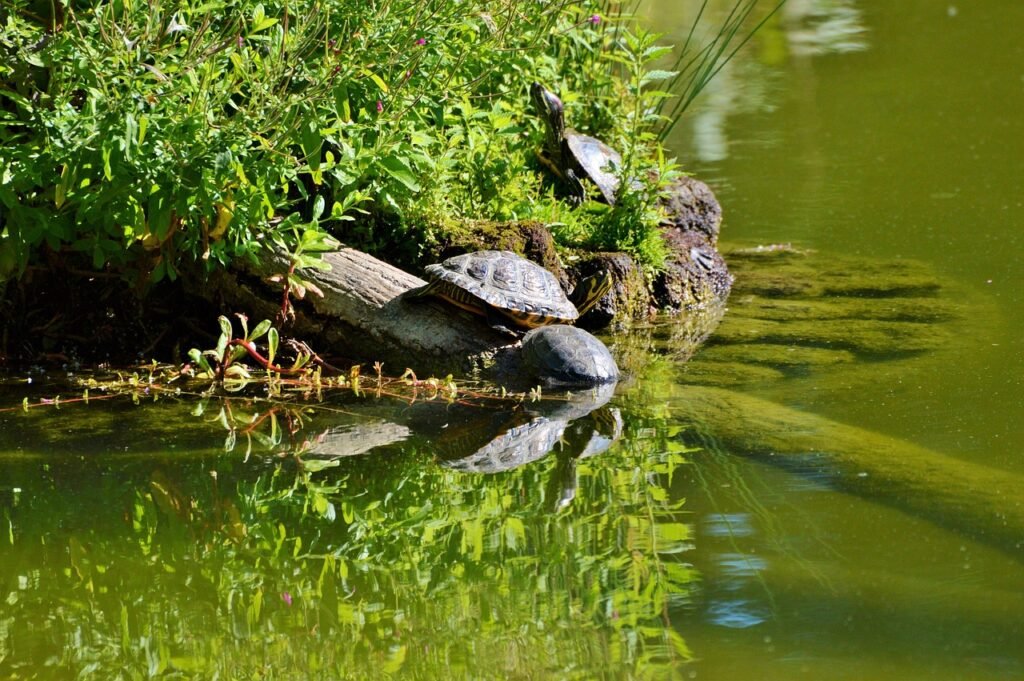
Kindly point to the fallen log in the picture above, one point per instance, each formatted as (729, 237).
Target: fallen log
(364, 314)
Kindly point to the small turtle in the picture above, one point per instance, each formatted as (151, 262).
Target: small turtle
(501, 285)
(563, 356)
(687, 203)
(574, 156)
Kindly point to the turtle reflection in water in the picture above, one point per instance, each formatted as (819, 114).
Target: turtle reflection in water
(475, 440)
(505, 287)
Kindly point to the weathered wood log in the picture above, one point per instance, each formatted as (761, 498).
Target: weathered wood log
(981, 502)
(364, 315)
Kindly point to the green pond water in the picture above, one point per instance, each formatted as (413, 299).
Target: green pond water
(831, 489)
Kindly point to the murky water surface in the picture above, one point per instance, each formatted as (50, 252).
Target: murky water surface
(832, 489)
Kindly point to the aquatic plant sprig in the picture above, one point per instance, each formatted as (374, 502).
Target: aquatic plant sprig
(695, 68)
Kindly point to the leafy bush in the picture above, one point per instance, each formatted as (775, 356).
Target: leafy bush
(144, 135)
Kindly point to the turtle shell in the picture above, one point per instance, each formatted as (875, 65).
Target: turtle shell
(563, 356)
(512, 285)
(596, 160)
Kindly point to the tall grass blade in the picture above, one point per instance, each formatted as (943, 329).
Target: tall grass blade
(695, 71)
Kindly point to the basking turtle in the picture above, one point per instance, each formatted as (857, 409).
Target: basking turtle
(503, 286)
(688, 203)
(564, 356)
(574, 156)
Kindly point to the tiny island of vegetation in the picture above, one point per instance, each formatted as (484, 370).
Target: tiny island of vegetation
(150, 148)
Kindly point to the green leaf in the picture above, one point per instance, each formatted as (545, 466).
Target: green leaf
(131, 130)
(225, 325)
(399, 169)
(655, 51)
(272, 342)
(225, 335)
(311, 142)
(316, 241)
(657, 76)
(198, 358)
(318, 208)
(61, 191)
(236, 60)
(342, 106)
(262, 24)
(260, 329)
(376, 79)
(159, 214)
(105, 152)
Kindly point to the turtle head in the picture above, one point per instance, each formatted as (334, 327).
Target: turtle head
(549, 108)
(590, 290)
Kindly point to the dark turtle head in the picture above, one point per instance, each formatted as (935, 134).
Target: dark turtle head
(549, 108)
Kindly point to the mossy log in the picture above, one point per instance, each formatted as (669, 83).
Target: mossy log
(981, 502)
(788, 297)
(797, 313)
(365, 315)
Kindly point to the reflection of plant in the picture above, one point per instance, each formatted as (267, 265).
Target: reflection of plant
(361, 570)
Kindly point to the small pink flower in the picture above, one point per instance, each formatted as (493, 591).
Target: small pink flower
(595, 19)
(380, 106)
(421, 41)
(287, 598)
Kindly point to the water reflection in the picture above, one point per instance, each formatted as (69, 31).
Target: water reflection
(748, 83)
(817, 27)
(735, 614)
(727, 525)
(286, 552)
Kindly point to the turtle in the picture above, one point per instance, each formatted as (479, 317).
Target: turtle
(573, 156)
(687, 202)
(503, 286)
(563, 356)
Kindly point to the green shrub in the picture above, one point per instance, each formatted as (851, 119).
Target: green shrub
(139, 136)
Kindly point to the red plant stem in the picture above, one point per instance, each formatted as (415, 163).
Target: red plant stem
(260, 359)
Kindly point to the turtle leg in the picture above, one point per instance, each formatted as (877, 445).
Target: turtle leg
(499, 322)
(577, 192)
(421, 292)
